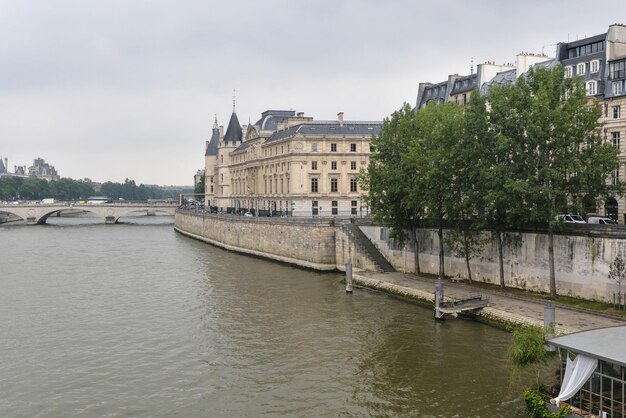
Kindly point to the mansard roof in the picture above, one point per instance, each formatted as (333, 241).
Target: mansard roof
(234, 132)
(331, 128)
(270, 119)
(213, 144)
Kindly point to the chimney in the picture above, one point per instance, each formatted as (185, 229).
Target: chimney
(340, 118)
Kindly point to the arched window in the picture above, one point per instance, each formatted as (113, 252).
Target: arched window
(592, 88)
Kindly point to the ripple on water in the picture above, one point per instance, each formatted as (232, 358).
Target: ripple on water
(135, 320)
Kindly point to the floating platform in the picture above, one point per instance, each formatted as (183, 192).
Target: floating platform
(455, 307)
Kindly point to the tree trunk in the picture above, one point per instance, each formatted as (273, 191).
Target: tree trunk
(441, 259)
(551, 262)
(500, 258)
(417, 253)
(469, 269)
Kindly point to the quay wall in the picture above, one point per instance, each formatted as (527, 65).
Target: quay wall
(582, 261)
(301, 242)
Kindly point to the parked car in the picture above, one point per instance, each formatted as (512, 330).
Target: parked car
(601, 220)
(570, 219)
(248, 214)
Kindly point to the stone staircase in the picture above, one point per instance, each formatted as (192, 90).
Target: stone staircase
(364, 246)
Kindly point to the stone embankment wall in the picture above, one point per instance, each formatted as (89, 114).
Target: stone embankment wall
(581, 261)
(316, 244)
(302, 242)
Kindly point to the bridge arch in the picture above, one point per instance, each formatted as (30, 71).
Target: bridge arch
(38, 214)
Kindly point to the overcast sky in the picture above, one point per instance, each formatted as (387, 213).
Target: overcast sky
(116, 89)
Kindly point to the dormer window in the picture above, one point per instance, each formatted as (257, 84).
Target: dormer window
(592, 88)
(580, 69)
(594, 66)
(568, 71)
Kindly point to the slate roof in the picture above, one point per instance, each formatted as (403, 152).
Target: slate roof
(213, 144)
(271, 118)
(500, 79)
(436, 92)
(465, 84)
(234, 133)
(320, 128)
(604, 343)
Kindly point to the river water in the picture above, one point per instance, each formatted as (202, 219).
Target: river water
(136, 320)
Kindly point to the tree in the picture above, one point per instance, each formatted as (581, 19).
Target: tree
(388, 181)
(431, 163)
(565, 157)
(496, 126)
(199, 188)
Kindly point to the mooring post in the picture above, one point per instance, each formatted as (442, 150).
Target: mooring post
(438, 299)
(348, 277)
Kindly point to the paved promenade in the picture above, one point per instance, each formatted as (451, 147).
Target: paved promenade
(504, 307)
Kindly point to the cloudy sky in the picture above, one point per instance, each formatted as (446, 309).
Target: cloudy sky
(116, 89)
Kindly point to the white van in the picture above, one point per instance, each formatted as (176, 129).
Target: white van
(600, 220)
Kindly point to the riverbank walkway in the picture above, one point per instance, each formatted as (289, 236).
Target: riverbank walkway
(505, 307)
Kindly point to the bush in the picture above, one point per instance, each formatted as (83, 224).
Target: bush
(536, 406)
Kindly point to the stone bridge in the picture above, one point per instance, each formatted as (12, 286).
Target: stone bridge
(111, 212)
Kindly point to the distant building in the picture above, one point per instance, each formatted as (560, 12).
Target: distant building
(42, 170)
(288, 163)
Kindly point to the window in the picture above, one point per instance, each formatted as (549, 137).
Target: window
(333, 165)
(333, 185)
(314, 207)
(464, 99)
(594, 66)
(615, 176)
(314, 147)
(352, 165)
(333, 208)
(616, 87)
(591, 88)
(580, 68)
(353, 186)
(352, 147)
(617, 70)
(353, 207)
(616, 139)
(313, 165)
(568, 71)
(313, 185)
(333, 147)
(616, 112)
(211, 179)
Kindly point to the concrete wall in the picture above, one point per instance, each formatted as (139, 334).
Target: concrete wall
(581, 262)
(301, 242)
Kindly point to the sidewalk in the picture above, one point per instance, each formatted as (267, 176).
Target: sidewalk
(503, 308)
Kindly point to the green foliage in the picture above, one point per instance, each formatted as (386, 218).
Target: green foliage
(387, 180)
(521, 154)
(528, 347)
(199, 188)
(20, 188)
(536, 406)
(15, 188)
